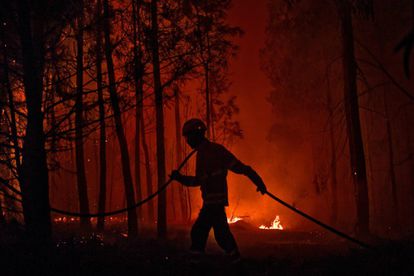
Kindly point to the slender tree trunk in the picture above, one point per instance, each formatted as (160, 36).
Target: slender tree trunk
(409, 150)
(391, 158)
(333, 167)
(79, 149)
(138, 99)
(356, 146)
(179, 152)
(125, 160)
(172, 193)
(159, 115)
(148, 173)
(206, 68)
(71, 199)
(208, 104)
(54, 87)
(102, 126)
(111, 173)
(186, 171)
(34, 180)
(53, 143)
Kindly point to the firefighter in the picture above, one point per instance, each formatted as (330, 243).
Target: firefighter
(212, 163)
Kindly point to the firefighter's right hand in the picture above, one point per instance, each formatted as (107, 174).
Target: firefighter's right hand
(261, 188)
(175, 175)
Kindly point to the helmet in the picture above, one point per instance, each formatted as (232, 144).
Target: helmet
(194, 125)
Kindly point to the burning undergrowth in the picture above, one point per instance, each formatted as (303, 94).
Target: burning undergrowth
(275, 225)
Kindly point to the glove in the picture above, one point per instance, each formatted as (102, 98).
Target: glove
(175, 175)
(261, 188)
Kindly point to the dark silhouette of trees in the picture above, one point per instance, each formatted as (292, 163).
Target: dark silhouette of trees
(295, 58)
(345, 106)
(125, 159)
(333, 158)
(148, 168)
(79, 110)
(57, 53)
(161, 171)
(10, 148)
(38, 25)
(139, 96)
(212, 39)
(179, 151)
(356, 147)
(102, 126)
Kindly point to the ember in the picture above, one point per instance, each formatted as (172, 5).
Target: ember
(275, 225)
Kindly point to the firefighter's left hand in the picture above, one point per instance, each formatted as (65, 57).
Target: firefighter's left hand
(262, 189)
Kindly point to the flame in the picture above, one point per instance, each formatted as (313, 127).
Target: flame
(233, 220)
(275, 225)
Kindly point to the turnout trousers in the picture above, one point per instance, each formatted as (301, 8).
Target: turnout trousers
(212, 216)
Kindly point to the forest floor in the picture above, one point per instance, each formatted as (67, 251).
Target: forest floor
(264, 252)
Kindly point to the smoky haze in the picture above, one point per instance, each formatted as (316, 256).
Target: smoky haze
(284, 167)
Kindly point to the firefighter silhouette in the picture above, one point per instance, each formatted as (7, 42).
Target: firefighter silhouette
(212, 163)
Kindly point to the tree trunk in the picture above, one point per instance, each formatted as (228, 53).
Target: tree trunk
(53, 137)
(138, 82)
(209, 106)
(72, 199)
(125, 160)
(409, 150)
(208, 102)
(147, 161)
(333, 167)
(356, 146)
(159, 115)
(79, 149)
(206, 68)
(102, 126)
(172, 191)
(34, 180)
(393, 177)
(179, 152)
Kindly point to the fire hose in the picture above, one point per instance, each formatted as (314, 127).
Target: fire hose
(163, 187)
(321, 224)
(119, 211)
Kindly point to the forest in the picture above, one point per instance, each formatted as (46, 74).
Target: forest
(316, 96)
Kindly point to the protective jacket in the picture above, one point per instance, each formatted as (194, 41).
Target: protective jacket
(212, 164)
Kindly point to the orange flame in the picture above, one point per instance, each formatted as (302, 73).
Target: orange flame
(275, 225)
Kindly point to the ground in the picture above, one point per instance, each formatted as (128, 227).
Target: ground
(264, 252)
